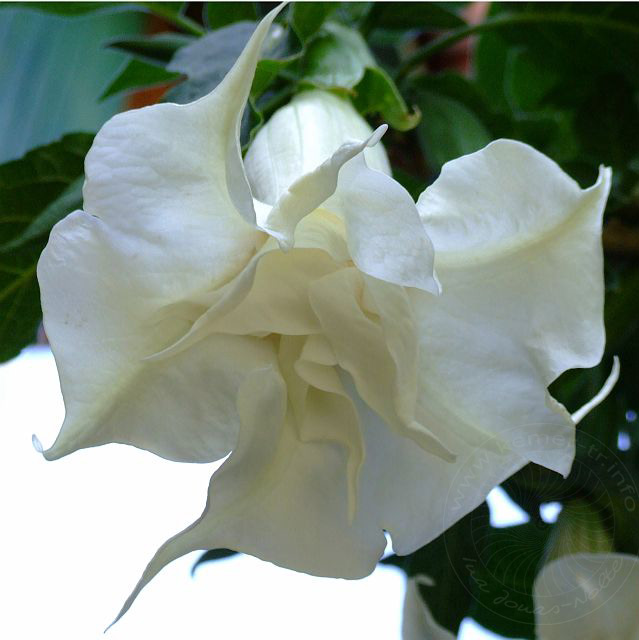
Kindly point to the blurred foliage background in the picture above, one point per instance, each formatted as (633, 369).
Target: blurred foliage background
(448, 78)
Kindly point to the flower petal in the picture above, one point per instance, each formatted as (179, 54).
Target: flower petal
(477, 376)
(518, 252)
(278, 301)
(299, 159)
(278, 498)
(588, 596)
(385, 235)
(507, 217)
(415, 494)
(99, 306)
(320, 230)
(311, 190)
(172, 176)
(162, 186)
(360, 348)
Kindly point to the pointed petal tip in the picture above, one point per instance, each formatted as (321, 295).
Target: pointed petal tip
(434, 285)
(603, 393)
(37, 445)
(377, 135)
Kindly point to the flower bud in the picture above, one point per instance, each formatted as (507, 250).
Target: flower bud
(302, 135)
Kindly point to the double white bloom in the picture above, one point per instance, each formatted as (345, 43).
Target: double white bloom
(350, 391)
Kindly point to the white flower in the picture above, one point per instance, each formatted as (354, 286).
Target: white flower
(350, 392)
(590, 596)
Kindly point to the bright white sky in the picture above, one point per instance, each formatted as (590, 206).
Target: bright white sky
(78, 532)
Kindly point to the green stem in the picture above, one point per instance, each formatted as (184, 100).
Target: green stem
(499, 22)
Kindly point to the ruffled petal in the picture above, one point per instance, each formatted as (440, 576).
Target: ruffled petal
(385, 235)
(588, 596)
(320, 231)
(360, 348)
(99, 317)
(162, 193)
(475, 376)
(518, 253)
(415, 494)
(279, 498)
(278, 301)
(508, 219)
(172, 177)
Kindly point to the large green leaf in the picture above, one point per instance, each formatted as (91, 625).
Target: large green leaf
(449, 129)
(221, 14)
(207, 60)
(578, 40)
(339, 59)
(376, 93)
(172, 12)
(35, 192)
(413, 15)
(308, 17)
(70, 8)
(158, 48)
(138, 74)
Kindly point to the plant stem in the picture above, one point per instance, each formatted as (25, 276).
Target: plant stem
(508, 20)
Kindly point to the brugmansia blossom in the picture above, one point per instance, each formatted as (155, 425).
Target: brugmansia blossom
(590, 596)
(354, 352)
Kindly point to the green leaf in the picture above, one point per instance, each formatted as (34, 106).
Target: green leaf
(503, 574)
(525, 83)
(413, 15)
(69, 8)
(267, 70)
(448, 129)
(353, 13)
(221, 14)
(35, 192)
(69, 200)
(207, 60)
(308, 17)
(376, 92)
(212, 555)
(138, 74)
(575, 40)
(490, 61)
(337, 58)
(160, 47)
(170, 11)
